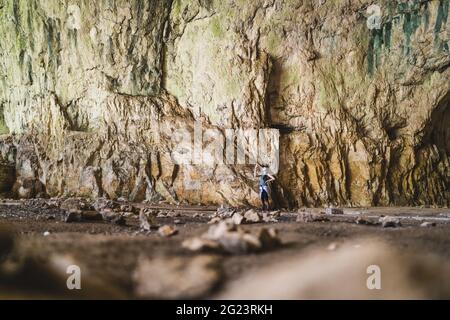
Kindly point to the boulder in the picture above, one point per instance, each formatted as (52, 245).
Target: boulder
(251, 216)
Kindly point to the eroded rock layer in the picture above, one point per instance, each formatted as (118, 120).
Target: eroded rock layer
(94, 95)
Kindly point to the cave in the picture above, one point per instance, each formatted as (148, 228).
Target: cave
(209, 149)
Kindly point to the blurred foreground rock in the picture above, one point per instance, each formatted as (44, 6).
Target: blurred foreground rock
(27, 277)
(343, 274)
(177, 277)
(226, 237)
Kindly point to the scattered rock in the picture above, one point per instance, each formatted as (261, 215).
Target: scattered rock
(102, 204)
(173, 214)
(428, 224)
(334, 211)
(237, 218)
(75, 204)
(176, 277)
(227, 237)
(167, 231)
(113, 217)
(147, 220)
(178, 221)
(268, 218)
(307, 217)
(251, 216)
(275, 214)
(215, 220)
(366, 221)
(73, 215)
(46, 233)
(224, 212)
(161, 214)
(127, 208)
(390, 222)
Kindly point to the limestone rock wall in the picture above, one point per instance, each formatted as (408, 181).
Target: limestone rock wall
(93, 95)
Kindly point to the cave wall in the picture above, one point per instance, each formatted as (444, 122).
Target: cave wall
(94, 93)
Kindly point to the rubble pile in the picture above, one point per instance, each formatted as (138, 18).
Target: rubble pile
(227, 237)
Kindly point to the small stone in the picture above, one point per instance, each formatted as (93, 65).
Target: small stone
(251, 216)
(215, 220)
(334, 211)
(365, 221)
(167, 231)
(267, 218)
(428, 224)
(307, 217)
(146, 221)
(73, 215)
(178, 221)
(46, 233)
(161, 214)
(390, 222)
(275, 214)
(332, 247)
(237, 218)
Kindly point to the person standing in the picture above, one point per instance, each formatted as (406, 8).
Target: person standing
(264, 179)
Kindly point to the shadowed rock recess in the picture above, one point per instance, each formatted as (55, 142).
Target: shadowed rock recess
(93, 93)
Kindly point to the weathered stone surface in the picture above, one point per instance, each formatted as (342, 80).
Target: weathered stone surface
(96, 91)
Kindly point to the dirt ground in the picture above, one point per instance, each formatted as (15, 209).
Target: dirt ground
(110, 252)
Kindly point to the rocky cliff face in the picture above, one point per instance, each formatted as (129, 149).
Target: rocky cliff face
(94, 95)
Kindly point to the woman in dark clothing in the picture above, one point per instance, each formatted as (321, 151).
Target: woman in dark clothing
(264, 179)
